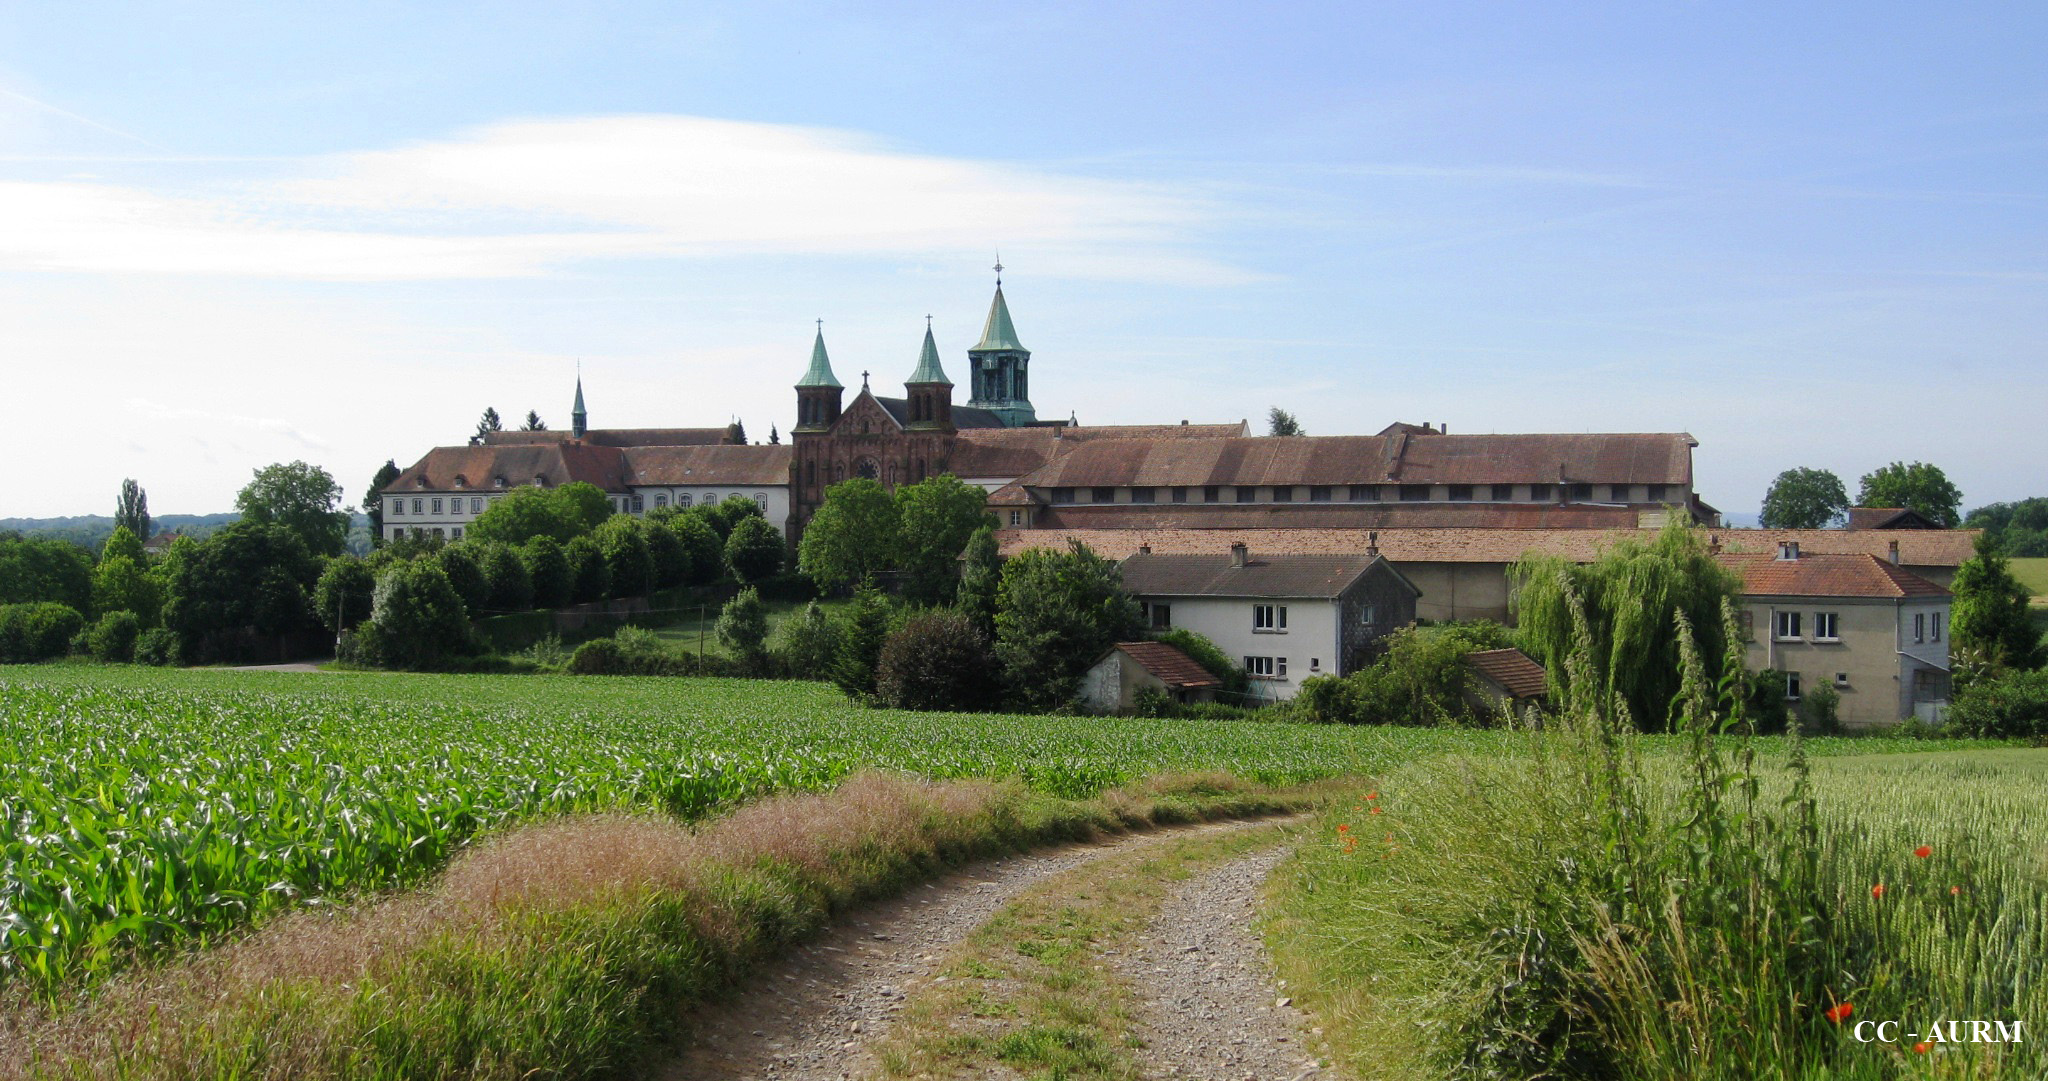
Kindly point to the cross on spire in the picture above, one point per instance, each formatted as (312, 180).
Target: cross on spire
(863, 379)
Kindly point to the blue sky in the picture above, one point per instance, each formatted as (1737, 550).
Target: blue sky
(231, 235)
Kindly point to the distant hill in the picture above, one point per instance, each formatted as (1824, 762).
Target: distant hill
(91, 530)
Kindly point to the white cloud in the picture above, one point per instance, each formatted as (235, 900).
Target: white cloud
(526, 198)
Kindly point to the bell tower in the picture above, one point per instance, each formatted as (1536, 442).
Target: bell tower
(818, 393)
(930, 392)
(1000, 366)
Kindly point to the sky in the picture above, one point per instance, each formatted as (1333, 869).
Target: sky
(1810, 235)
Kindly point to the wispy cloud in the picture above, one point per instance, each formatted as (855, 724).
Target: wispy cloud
(185, 414)
(530, 197)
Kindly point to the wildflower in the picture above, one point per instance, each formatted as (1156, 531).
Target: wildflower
(1375, 809)
(1837, 1013)
(1953, 890)
(1923, 1047)
(1345, 828)
(1372, 795)
(1924, 851)
(1877, 890)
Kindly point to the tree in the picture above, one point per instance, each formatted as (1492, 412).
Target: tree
(486, 424)
(511, 588)
(250, 579)
(459, 563)
(533, 423)
(625, 557)
(754, 551)
(862, 630)
(1057, 613)
(554, 580)
(120, 584)
(342, 597)
(723, 517)
(810, 643)
(937, 516)
(416, 619)
(938, 660)
(591, 575)
(586, 504)
(373, 500)
(1989, 630)
(301, 498)
(121, 542)
(705, 549)
(132, 510)
(2021, 529)
(1280, 422)
(981, 579)
(1631, 596)
(43, 569)
(666, 553)
(853, 537)
(774, 437)
(524, 513)
(743, 629)
(1918, 486)
(37, 631)
(112, 638)
(1805, 499)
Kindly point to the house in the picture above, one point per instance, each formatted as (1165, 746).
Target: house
(1113, 682)
(1286, 617)
(1506, 679)
(1871, 629)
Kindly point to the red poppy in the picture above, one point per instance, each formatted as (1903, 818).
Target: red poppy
(1924, 851)
(1375, 809)
(1877, 890)
(1953, 890)
(1344, 829)
(1372, 795)
(1923, 1047)
(1839, 1012)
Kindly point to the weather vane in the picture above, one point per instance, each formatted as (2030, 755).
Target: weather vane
(999, 266)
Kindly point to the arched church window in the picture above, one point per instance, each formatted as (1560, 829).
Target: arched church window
(810, 474)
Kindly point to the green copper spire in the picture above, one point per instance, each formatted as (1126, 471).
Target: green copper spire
(997, 333)
(578, 418)
(928, 370)
(820, 374)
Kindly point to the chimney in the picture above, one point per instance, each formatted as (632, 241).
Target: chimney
(1144, 549)
(1893, 553)
(1788, 550)
(1443, 427)
(1183, 422)
(1239, 555)
(1372, 544)
(1714, 543)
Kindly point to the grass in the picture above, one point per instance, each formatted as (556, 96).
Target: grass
(701, 625)
(1031, 990)
(563, 950)
(2032, 571)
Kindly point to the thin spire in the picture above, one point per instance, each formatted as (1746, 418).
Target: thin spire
(579, 419)
(928, 369)
(820, 373)
(998, 332)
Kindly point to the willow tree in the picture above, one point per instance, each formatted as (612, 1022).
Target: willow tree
(1632, 595)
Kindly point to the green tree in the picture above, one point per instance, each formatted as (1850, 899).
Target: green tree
(585, 504)
(1631, 596)
(524, 513)
(301, 498)
(937, 660)
(853, 537)
(810, 643)
(1280, 422)
(937, 516)
(487, 424)
(416, 618)
(37, 631)
(121, 584)
(2020, 529)
(131, 511)
(250, 579)
(458, 562)
(863, 627)
(1918, 486)
(533, 423)
(1057, 613)
(591, 575)
(342, 596)
(511, 588)
(706, 550)
(1213, 660)
(754, 551)
(981, 579)
(1990, 632)
(743, 630)
(42, 569)
(112, 638)
(666, 552)
(625, 556)
(123, 542)
(554, 578)
(373, 499)
(1805, 499)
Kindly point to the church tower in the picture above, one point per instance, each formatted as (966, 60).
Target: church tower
(930, 392)
(579, 420)
(999, 366)
(818, 393)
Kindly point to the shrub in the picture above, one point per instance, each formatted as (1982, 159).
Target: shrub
(1153, 702)
(2014, 706)
(743, 626)
(37, 631)
(1417, 680)
(1821, 708)
(112, 638)
(810, 644)
(419, 619)
(861, 633)
(342, 596)
(938, 660)
(1058, 612)
(597, 657)
(157, 646)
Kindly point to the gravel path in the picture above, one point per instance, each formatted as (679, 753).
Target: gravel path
(810, 1017)
(1211, 1009)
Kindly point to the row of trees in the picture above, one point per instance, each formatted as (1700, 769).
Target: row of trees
(864, 532)
(1805, 498)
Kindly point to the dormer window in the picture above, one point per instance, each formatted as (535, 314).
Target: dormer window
(497, 482)
(1788, 550)
(540, 482)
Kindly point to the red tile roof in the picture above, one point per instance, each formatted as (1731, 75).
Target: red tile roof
(461, 469)
(1336, 515)
(618, 437)
(735, 465)
(1174, 668)
(1512, 669)
(1814, 575)
(1151, 574)
(1889, 518)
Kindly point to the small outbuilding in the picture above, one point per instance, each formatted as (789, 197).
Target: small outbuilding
(1113, 682)
(1507, 679)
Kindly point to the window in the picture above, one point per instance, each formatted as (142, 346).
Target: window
(476, 504)
(416, 507)
(1919, 626)
(1503, 492)
(1144, 495)
(639, 504)
(1279, 668)
(762, 497)
(1247, 494)
(1319, 493)
(1788, 627)
(398, 506)
(1582, 491)
(1934, 625)
(1271, 618)
(1539, 493)
(1791, 686)
(1619, 493)
(1063, 495)
(1315, 664)
(1824, 627)
(1159, 617)
(1841, 679)
(1212, 494)
(1283, 493)
(1180, 495)
(439, 533)
(458, 532)
(1414, 493)
(1101, 495)
(1016, 518)
(1462, 492)
(1365, 493)
(683, 500)
(1368, 615)
(660, 499)
(1259, 667)
(1658, 493)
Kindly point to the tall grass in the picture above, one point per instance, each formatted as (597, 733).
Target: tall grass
(1583, 912)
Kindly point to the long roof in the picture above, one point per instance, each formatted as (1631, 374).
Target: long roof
(619, 437)
(735, 465)
(1917, 548)
(995, 451)
(1858, 575)
(1333, 515)
(1399, 458)
(1151, 574)
(488, 467)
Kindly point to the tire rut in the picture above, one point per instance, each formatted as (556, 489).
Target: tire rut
(812, 1015)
